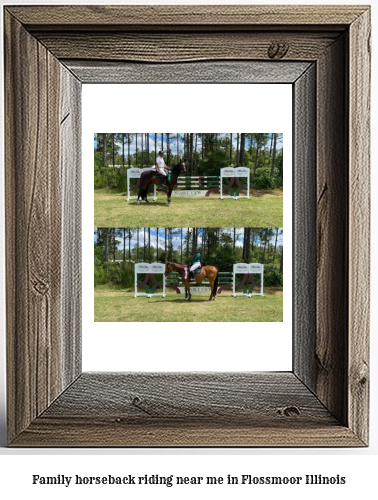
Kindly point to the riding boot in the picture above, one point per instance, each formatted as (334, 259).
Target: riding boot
(192, 275)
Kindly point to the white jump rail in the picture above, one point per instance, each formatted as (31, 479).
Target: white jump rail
(234, 172)
(135, 173)
(252, 268)
(146, 268)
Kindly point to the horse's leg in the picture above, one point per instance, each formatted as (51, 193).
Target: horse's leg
(214, 285)
(140, 192)
(211, 281)
(170, 187)
(187, 288)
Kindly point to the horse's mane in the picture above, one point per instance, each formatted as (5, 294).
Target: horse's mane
(179, 264)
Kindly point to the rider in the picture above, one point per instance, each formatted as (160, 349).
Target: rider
(196, 262)
(161, 166)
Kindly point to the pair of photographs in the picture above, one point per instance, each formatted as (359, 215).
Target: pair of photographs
(188, 227)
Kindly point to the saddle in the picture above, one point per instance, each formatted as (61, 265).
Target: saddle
(192, 273)
(166, 178)
(162, 177)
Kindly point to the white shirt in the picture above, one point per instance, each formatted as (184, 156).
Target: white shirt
(160, 165)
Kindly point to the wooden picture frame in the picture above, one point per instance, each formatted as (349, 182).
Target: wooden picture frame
(49, 52)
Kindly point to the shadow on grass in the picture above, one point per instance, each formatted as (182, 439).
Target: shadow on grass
(151, 203)
(183, 300)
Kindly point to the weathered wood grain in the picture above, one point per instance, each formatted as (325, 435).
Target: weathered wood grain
(159, 17)
(243, 397)
(70, 161)
(33, 247)
(97, 432)
(185, 47)
(332, 230)
(193, 409)
(304, 228)
(359, 226)
(34, 221)
(200, 72)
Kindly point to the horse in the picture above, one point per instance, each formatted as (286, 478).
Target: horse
(151, 176)
(209, 272)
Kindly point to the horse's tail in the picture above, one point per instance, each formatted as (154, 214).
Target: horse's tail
(143, 191)
(215, 284)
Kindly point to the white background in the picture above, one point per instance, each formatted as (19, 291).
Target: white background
(185, 346)
(358, 465)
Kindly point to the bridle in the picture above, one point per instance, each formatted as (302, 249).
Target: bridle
(170, 268)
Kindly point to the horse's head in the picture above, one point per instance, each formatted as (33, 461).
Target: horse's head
(179, 168)
(168, 268)
(182, 166)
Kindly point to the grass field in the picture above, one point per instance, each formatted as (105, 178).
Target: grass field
(262, 210)
(117, 305)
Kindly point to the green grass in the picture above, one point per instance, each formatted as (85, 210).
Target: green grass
(262, 210)
(117, 305)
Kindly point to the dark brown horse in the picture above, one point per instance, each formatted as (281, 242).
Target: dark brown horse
(209, 272)
(149, 177)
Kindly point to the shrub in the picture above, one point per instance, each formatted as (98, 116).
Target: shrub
(263, 180)
(127, 275)
(278, 180)
(115, 273)
(99, 276)
(122, 180)
(272, 275)
(98, 181)
(112, 178)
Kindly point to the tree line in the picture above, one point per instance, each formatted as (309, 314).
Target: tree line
(204, 154)
(218, 246)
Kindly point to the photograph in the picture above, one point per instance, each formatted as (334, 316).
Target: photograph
(170, 179)
(186, 268)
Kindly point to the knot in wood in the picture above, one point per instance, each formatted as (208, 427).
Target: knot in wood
(140, 404)
(41, 287)
(136, 400)
(288, 411)
(278, 50)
